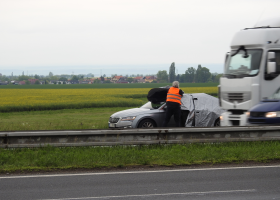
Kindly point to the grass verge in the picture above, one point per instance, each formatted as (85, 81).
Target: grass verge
(52, 158)
(66, 119)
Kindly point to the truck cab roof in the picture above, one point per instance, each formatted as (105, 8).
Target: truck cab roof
(265, 33)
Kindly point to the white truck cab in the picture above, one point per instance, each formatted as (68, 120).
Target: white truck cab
(251, 71)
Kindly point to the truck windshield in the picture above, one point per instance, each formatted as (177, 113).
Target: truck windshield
(241, 66)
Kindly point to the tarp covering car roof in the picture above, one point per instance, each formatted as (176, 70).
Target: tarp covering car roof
(205, 107)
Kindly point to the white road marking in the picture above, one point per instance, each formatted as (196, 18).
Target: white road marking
(137, 172)
(164, 194)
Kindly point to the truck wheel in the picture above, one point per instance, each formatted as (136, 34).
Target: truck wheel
(146, 123)
(217, 122)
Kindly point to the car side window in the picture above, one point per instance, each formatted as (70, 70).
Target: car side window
(157, 105)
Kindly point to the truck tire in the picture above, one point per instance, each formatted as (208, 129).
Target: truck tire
(147, 123)
(217, 122)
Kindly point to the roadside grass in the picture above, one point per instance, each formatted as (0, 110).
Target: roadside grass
(52, 158)
(66, 119)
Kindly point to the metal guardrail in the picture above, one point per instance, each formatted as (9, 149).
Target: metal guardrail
(137, 136)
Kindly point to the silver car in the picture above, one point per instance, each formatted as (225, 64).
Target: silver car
(197, 110)
(147, 116)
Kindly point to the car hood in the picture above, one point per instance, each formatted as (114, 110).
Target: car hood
(266, 106)
(132, 112)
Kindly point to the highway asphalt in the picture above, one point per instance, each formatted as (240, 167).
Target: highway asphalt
(250, 183)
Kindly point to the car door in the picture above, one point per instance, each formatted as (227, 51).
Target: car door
(161, 116)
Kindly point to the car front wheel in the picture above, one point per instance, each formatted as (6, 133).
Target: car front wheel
(147, 123)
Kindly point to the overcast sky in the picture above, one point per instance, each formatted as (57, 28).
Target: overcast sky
(121, 36)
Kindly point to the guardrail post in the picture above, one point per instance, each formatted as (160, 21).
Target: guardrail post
(5, 140)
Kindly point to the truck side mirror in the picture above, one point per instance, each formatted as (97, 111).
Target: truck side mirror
(270, 56)
(226, 59)
(271, 65)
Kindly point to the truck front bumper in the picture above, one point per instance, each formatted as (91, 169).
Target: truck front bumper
(229, 119)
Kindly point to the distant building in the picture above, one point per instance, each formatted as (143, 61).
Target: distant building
(85, 82)
(32, 81)
(0, 74)
(115, 79)
(140, 79)
(150, 79)
(74, 82)
(52, 82)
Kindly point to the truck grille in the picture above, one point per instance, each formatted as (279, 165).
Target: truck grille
(114, 120)
(257, 114)
(236, 97)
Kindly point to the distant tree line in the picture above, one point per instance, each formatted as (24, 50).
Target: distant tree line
(191, 75)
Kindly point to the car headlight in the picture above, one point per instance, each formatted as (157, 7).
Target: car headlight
(128, 118)
(221, 118)
(272, 114)
(247, 114)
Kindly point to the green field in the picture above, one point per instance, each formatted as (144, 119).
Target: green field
(72, 106)
(65, 119)
(54, 99)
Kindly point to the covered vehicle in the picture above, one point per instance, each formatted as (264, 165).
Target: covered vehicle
(197, 110)
(204, 110)
(266, 112)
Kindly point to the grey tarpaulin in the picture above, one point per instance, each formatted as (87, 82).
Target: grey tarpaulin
(206, 108)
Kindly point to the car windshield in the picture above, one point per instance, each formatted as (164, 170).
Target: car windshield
(242, 64)
(150, 105)
(275, 96)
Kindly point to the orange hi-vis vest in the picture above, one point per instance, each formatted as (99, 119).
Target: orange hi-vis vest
(173, 95)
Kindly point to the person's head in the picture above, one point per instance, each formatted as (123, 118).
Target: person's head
(175, 84)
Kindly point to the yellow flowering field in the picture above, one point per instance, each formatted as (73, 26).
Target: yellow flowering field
(53, 99)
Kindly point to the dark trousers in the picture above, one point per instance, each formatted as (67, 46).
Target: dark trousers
(173, 110)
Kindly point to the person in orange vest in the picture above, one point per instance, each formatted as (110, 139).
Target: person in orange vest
(173, 103)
